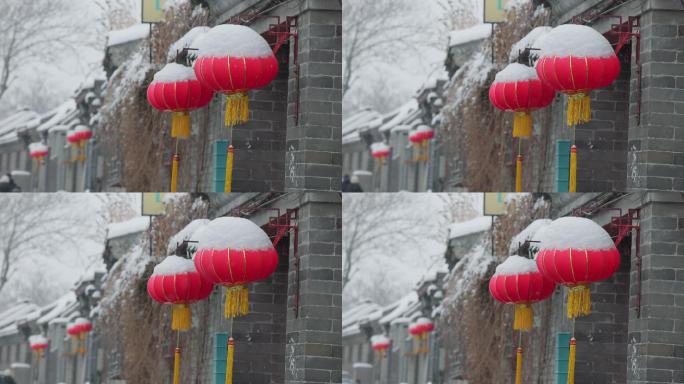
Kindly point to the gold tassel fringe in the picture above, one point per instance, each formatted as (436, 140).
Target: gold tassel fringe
(518, 173)
(571, 361)
(524, 317)
(237, 109)
(230, 357)
(181, 125)
(572, 184)
(518, 366)
(579, 109)
(522, 124)
(579, 301)
(176, 366)
(182, 317)
(174, 172)
(237, 301)
(230, 158)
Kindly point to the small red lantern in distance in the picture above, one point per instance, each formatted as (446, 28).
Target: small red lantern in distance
(38, 343)
(380, 344)
(38, 150)
(380, 150)
(575, 59)
(176, 89)
(425, 133)
(233, 59)
(518, 281)
(232, 252)
(517, 88)
(83, 133)
(72, 137)
(575, 251)
(176, 281)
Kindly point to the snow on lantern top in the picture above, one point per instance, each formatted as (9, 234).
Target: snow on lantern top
(37, 340)
(575, 233)
(379, 147)
(574, 40)
(172, 73)
(187, 41)
(516, 265)
(423, 321)
(37, 147)
(232, 233)
(516, 72)
(186, 233)
(379, 339)
(232, 40)
(174, 265)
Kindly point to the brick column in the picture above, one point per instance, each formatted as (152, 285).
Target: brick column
(314, 159)
(313, 353)
(656, 142)
(655, 350)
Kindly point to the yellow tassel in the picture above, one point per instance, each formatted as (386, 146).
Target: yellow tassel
(518, 366)
(518, 173)
(524, 317)
(181, 125)
(230, 158)
(182, 317)
(579, 301)
(572, 185)
(176, 366)
(571, 361)
(522, 124)
(229, 361)
(237, 109)
(237, 301)
(82, 343)
(174, 172)
(579, 109)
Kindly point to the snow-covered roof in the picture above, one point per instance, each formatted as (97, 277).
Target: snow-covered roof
(64, 115)
(22, 311)
(402, 308)
(462, 36)
(527, 234)
(464, 228)
(359, 122)
(20, 120)
(135, 225)
(529, 41)
(407, 114)
(126, 35)
(365, 311)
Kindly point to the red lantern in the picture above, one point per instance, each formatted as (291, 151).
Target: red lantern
(78, 331)
(72, 137)
(518, 281)
(574, 60)
(233, 59)
(83, 133)
(38, 342)
(176, 89)
(420, 329)
(38, 150)
(575, 252)
(517, 88)
(380, 150)
(380, 344)
(415, 137)
(232, 252)
(176, 281)
(425, 133)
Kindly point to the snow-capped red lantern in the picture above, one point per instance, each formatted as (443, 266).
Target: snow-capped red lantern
(380, 150)
(78, 329)
(574, 252)
(83, 133)
(232, 252)
(425, 325)
(83, 325)
(425, 133)
(414, 137)
(233, 59)
(72, 137)
(38, 344)
(517, 281)
(420, 330)
(380, 344)
(176, 281)
(38, 150)
(575, 59)
(517, 89)
(176, 89)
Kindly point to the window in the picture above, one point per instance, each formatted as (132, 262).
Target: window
(562, 165)
(220, 154)
(562, 353)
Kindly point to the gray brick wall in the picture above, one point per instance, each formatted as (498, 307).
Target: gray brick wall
(656, 140)
(656, 339)
(314, 341)
(314, 160)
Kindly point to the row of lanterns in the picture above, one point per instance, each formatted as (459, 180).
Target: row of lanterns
(231, 252)
(419, 137)
(231, 59)
(78, 330)
(77, 138)
(574, 252)
(574, 60)
(419, 329)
